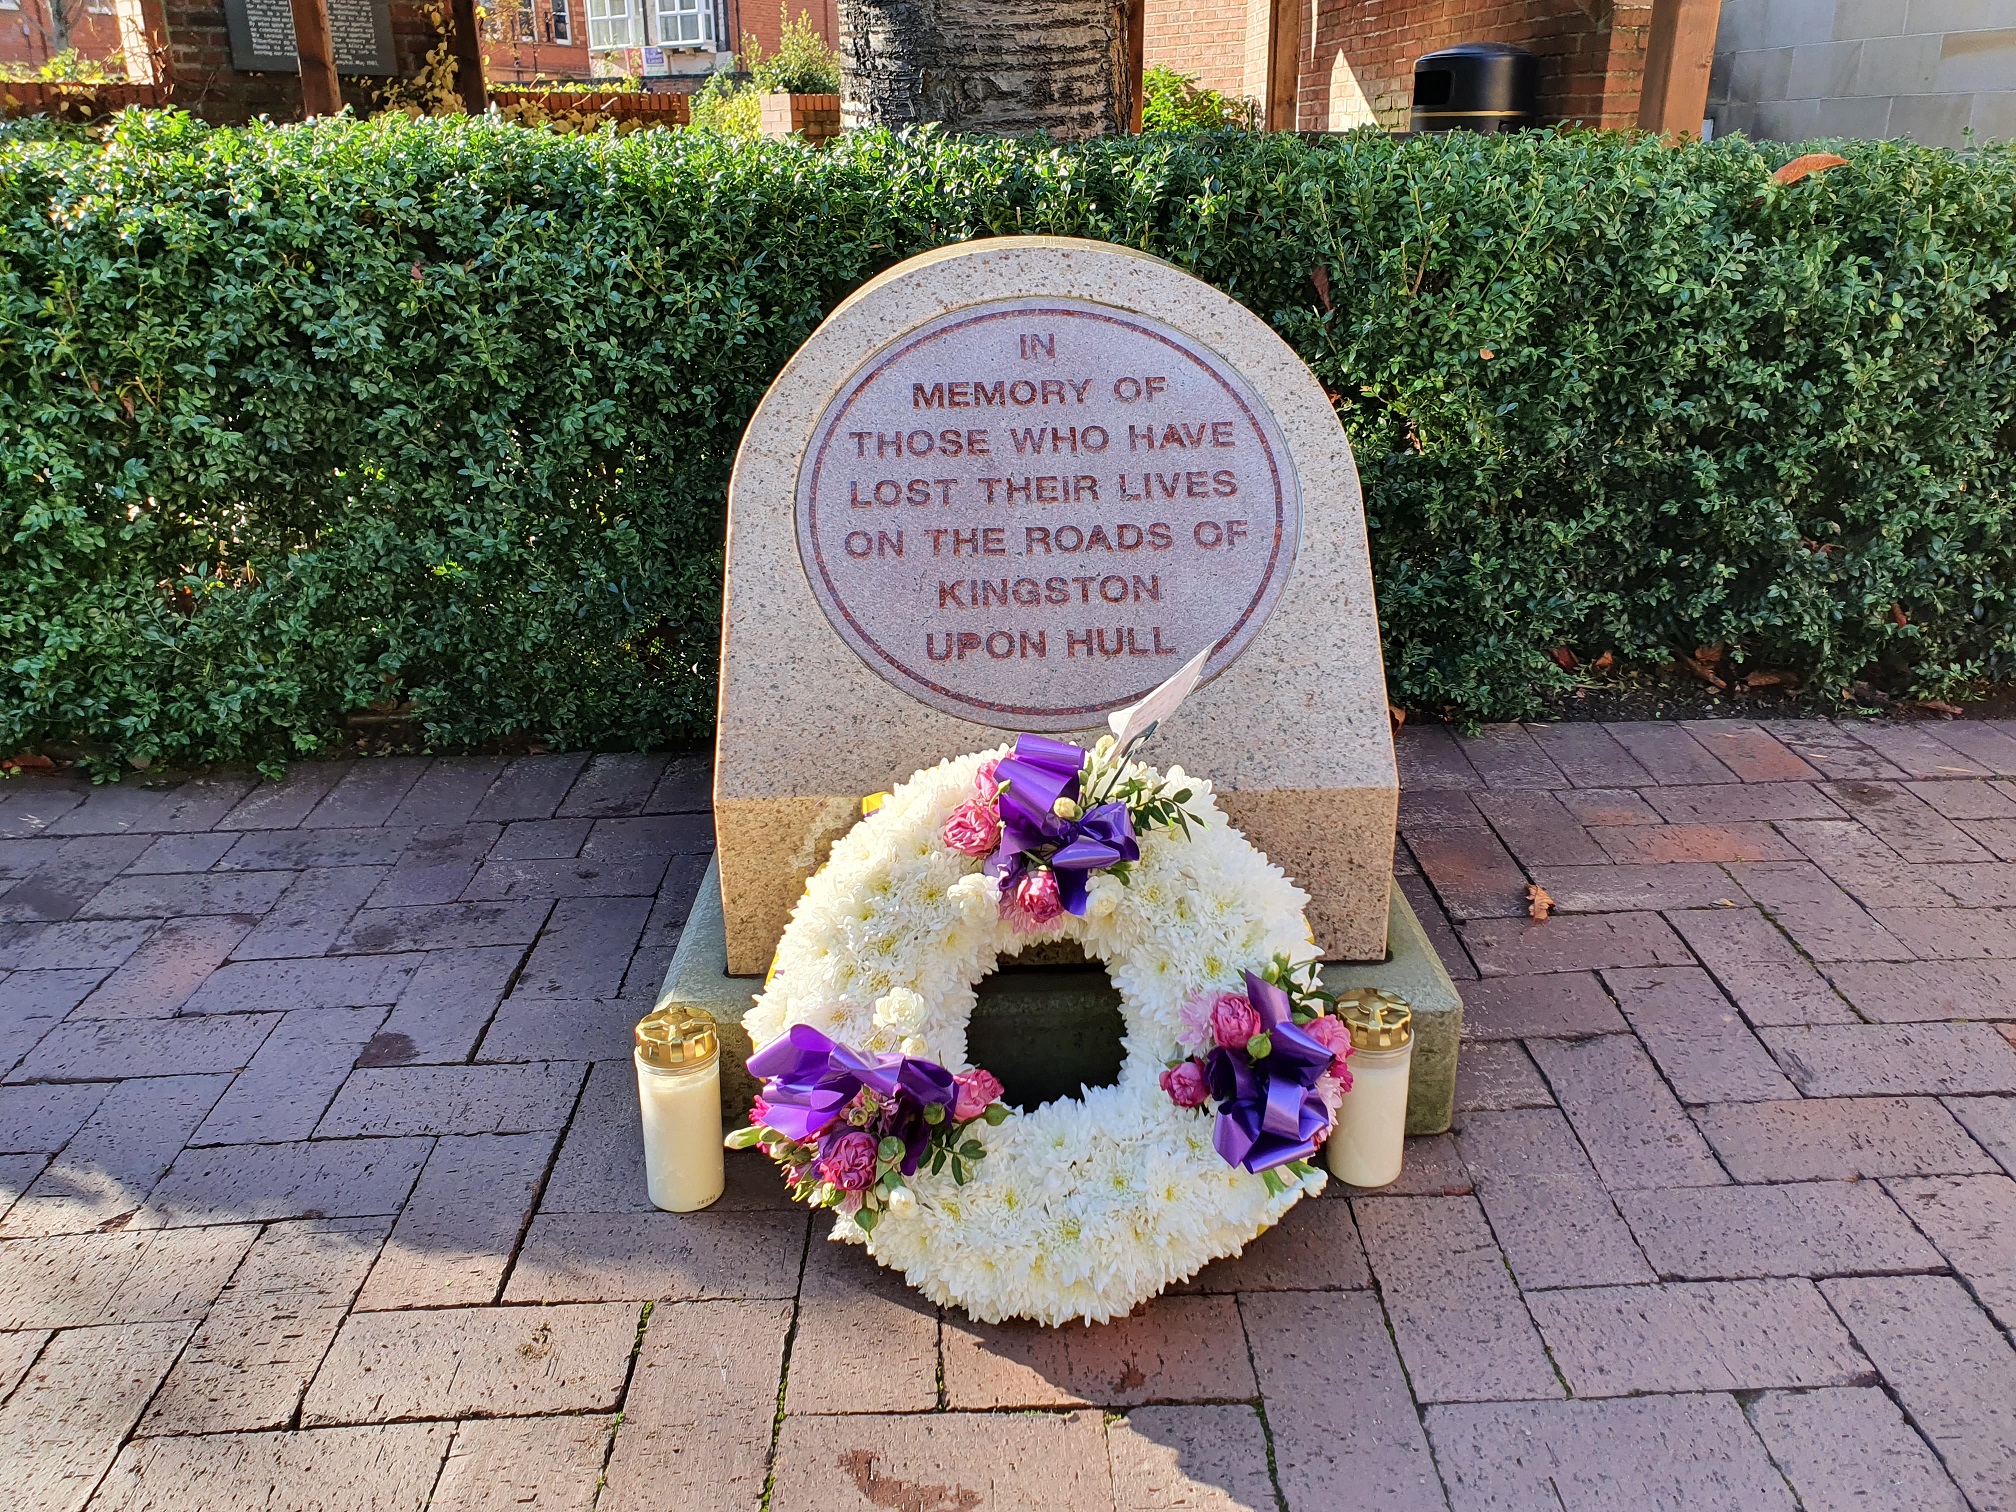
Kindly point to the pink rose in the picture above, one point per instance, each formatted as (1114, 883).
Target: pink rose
(1033, 899)
(1333, 1035)
(1186, 1085)
(977, 1090)
(1233, 1020)
(974, 828)
(848, 1161)
(759, 1112)
(986, 784)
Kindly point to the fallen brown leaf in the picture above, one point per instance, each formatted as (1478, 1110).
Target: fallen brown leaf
(1397, 714)
(1565, 659)
(1604, 662)
(1939, 706)
(1538, 903)
(1320, 277)
(1763, 679)
(1897, 613)
(1812, 162)
(1704, 673)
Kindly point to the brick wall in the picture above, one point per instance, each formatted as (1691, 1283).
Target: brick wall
(1206, 38)
(519, 43)
(28, 35)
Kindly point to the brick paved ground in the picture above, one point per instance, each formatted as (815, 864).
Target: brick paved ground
(320, 1182)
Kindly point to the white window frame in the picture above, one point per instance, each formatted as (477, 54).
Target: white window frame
(615, 26)
(684, 23)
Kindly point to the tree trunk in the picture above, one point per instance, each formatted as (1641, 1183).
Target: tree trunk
(1058, 67)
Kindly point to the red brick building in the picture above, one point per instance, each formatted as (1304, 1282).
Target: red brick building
(34, 31)
(529, 40)
(1354, 61)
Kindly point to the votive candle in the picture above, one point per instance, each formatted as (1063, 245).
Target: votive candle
(678, 1056)
(1367, 1146)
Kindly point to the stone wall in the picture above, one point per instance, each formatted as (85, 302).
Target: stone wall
(1787, 70)
(1357, 60)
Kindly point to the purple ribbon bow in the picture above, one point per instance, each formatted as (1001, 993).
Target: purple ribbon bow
(1039, 773)
(808, 1081)
(1268, 1110)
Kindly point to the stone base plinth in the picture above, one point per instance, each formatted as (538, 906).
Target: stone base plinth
(1048, 1030)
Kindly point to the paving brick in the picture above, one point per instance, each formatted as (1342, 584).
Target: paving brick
(444, 1009)
(1505, 756)
(1992, 885)
(845, 1298)
(1953, 1372)
(1048, 1463)
(1491, 1077)
(1627, 1118)
(474, 1361)
(1883, 1060)
(501, 1464)
(67, 875)
(37, 803)
(538, 840)
(1915, 749)
(194, 804)
(1554, 1003)
(17, 1352)
(1678, 844)
(1694, 1452)
(1873, 874)
(282, 805)
(681, 1257)
(1172, 1349)
(653, 956)
(321, 1178)
(78, 1280)
(1611, 889)
(26, 858)
(1668, 753)
(1589, 755)
(687, 786)
(368, 793)
(1538, 830)
(63, 1426)
(377, 1469)
(1850, 1450)
(1822, 920)
(1832, 750)
(1742, 805)
(73, 945)
(1598, 807)
(533, 1029)
(1910, 827)
(298, 850)
(453, 1100)
(17, 1174)
(1441, 933)
(1981, 742)
(1996, 835)
(108, 1166)
(31, 1003)
(1458, 1319)
(1429, 757)
(1473, 874)
(172, 896)
(697, 1420)
(440, 861)
(162, 975)
(1953, 933)
(249, 1363)
(447, 926)
(311, 917)
(1700, 1043)
(1839, 1139)
(282, 1093)
(601, 1165)
(614, 784)
(1519, 947)
(1992, 1122)
(1556, 1223)
(1972, 1222)
(530, 787)
(448, 792)
(1314, 1248)
(1965, 798)
(1199, 1459)
(304, 982)
(457, 1232)
(42, 1118)
(1814, 1228)
(1338, 1406)
(1696, 1336)
(585, 948)
(1759, 968)
(1753, 753)
(106, 1049)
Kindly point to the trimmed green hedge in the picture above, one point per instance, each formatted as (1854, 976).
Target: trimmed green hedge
(296, 421)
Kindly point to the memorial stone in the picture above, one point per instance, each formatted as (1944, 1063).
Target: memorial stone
(1012, 485)
(262, 36)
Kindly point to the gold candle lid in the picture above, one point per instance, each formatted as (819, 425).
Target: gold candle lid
(1377, 1019)
(676, 1038)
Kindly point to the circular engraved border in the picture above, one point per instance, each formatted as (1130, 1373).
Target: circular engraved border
(1281, 555)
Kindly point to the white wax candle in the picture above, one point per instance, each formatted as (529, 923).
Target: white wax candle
(682, 1135)
(1365, 1147)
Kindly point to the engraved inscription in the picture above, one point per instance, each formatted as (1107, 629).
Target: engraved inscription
(1028, 512)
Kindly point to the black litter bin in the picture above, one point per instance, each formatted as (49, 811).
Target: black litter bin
(1476, 86)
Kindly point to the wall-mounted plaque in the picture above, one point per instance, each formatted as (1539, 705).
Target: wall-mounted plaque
(262, 36)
